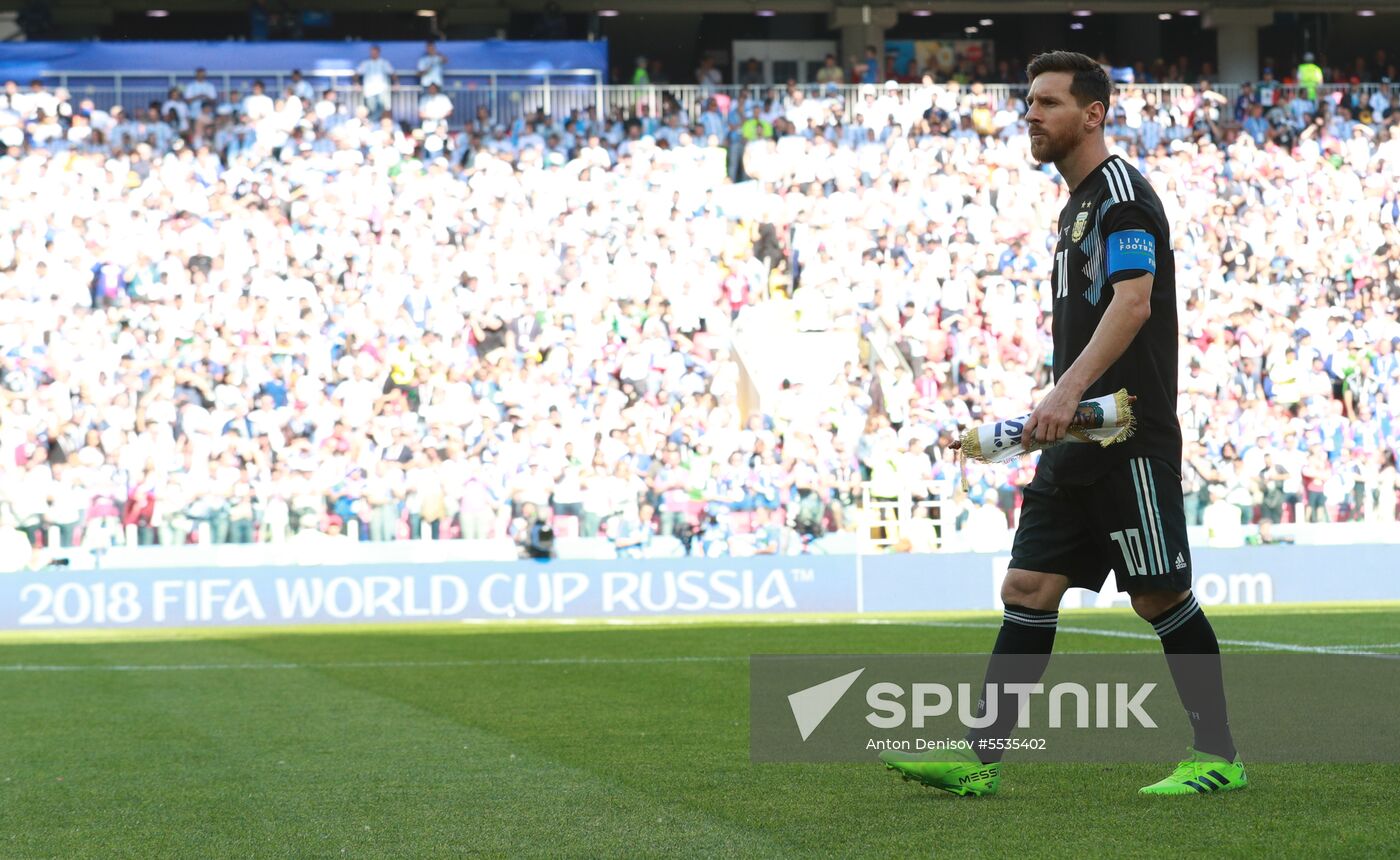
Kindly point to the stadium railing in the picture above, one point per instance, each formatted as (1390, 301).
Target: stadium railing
(906, 521)
(693, 98)
(508, 95)
(933, 517)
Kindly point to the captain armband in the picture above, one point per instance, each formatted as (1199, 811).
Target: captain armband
(1131, 251)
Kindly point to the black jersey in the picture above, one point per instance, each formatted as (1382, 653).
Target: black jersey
(1113, 229)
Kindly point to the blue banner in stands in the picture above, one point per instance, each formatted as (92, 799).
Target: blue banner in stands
(25, 60)
(477, 591)
(634, 588)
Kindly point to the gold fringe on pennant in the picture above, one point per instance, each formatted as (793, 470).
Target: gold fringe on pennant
(1123, 402)
(970, 444)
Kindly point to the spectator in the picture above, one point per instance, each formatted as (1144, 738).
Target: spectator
(1223, 521)
(431, 67)
(870, 67)
(751, 73)
(175, 106)
(1309, 77)
(1256, 126)
(376, 79)
(434, 107)
(302, 88)
(200, 90)
(831, 72)
(657, 72)
(708, 76)
(633, 537)
(1267, 93)
(258, 105)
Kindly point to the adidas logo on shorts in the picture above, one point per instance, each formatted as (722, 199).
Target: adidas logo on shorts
(1180, 561)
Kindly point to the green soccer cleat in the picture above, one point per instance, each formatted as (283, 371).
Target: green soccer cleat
(957, 772)
(1201, 774)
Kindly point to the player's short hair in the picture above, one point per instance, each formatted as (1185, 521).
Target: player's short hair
(1090, 82)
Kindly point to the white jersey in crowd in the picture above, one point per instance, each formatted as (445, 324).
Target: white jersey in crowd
(430, 69)
(375, 75)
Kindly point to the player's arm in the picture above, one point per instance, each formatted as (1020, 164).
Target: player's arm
(1124, 317)
(1130, 265)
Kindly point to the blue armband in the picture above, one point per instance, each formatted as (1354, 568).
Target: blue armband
(1132, 251)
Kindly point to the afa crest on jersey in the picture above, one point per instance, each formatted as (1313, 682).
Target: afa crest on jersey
(1080, 222)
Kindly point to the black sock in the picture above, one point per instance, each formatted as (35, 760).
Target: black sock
(1024, 631)
(1194, 657)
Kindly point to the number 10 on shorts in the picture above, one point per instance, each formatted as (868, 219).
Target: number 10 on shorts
(1130, 542)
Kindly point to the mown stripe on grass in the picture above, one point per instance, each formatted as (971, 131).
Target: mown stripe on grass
(326, 765)
(367, 664)
(1351, 650)
(1340, 650)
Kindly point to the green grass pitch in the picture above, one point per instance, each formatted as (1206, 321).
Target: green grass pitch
(582, 740)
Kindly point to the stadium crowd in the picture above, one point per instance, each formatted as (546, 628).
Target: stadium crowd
(242, 316)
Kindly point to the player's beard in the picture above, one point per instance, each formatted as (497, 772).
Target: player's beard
(1053, 148)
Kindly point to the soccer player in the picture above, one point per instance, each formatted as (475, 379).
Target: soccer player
(1091, 509)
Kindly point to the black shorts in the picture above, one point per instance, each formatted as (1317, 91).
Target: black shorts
(1130, 521)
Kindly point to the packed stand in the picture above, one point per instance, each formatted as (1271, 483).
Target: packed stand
(242, 317)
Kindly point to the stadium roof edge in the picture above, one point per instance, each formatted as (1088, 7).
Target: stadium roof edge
(462, 8)
(650, 7)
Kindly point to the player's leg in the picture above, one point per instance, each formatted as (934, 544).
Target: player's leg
(1030, 598)
(1143, 523)
(1051, 537)
(1193, 655)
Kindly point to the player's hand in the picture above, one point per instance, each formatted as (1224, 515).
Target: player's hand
(1050, 421)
